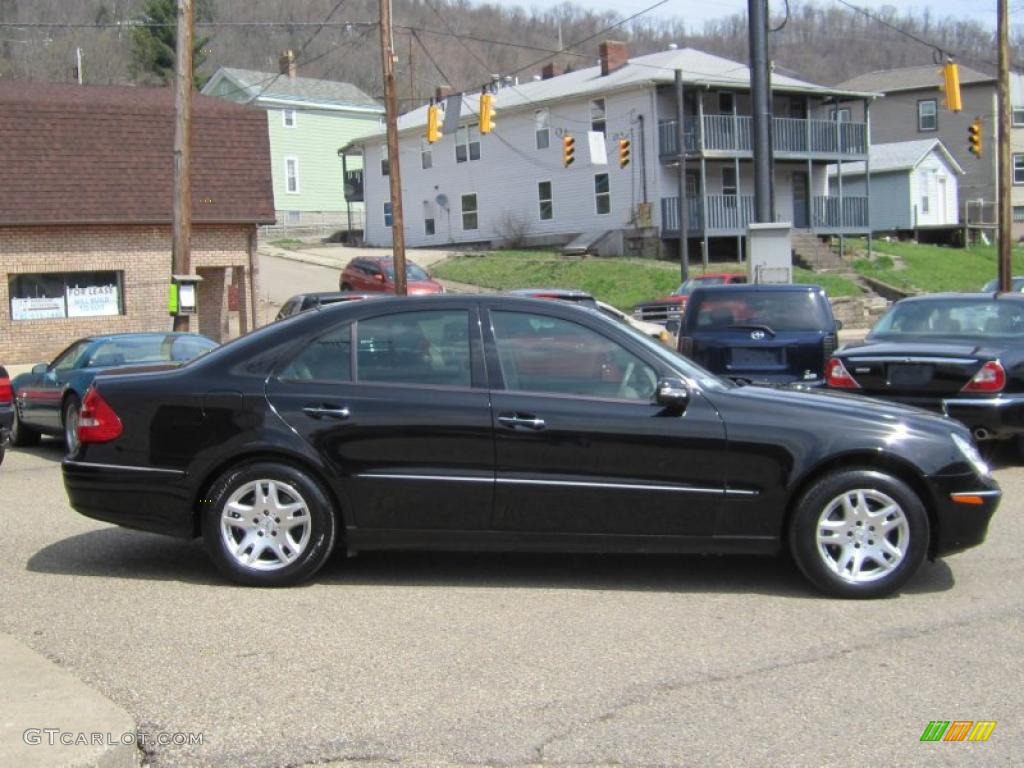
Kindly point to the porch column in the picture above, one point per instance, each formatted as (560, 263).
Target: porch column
(810, 167)
(839, 178)
(703, 181)
(867, 166)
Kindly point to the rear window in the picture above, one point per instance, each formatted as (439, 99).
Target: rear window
(147, 349)
(974, 318)
(777, 311)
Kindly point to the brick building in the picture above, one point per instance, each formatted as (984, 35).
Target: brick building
(86, 201)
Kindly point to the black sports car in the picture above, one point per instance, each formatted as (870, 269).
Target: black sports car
(503, 423)
(953, 353)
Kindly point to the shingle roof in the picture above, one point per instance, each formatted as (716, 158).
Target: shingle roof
(899, 156)
(699, 68)
(268, 85)
(90, 154)
(910, 79)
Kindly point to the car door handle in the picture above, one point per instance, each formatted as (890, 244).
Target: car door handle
(513, 420)
(320, 411)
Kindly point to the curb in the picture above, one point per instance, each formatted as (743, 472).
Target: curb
(36, 694)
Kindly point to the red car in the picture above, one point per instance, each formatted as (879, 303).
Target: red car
(668, 309)
(6, 409)
(377, 274)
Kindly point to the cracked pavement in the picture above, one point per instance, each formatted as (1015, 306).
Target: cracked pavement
(518, 660)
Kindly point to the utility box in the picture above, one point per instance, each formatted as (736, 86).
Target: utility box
(183, 294)
(770, 253)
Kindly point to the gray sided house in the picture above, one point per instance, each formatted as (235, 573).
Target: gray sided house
(307, 119)
(914, 185)
(511, 185)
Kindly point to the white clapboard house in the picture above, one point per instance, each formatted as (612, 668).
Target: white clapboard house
(511, 186)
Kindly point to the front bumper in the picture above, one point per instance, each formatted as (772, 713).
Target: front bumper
(962, 524)
(154, 500)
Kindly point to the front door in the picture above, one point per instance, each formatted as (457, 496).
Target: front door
(801, 199)
(580, 448)
(404, 423)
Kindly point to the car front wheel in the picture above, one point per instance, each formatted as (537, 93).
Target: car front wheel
(268, 524)
(859, 533)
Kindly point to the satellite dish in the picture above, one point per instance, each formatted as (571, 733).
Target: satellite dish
(442, 200)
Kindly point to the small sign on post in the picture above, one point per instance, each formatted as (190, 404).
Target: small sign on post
(183, 296)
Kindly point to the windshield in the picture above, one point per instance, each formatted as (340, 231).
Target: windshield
(972, 318)
(412, 272)
(775, 310)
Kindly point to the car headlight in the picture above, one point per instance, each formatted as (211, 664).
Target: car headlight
(970, 452)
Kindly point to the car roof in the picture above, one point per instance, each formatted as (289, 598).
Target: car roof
(532, 292)
(142, 334)
(976, 295)
(331, 295)
(708, 275)
(760, 288)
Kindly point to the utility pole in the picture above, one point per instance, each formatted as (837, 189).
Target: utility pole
(387, 50)
(761, 97)
(684, 249)
(181, 246)
(1004, 165)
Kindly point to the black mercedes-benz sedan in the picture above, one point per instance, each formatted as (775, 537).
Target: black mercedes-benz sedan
(958, 354)
(504, 423)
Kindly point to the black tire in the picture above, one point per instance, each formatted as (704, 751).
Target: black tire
(69, 416)
(22, 436)
(276, 542)
(889, 557)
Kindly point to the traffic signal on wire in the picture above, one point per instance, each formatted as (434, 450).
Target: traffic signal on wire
(433, 123)
(974, 137)
(486, 112)
(623, 152)
(951, 86)
(568, 150)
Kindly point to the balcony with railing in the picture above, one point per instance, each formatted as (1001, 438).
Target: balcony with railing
(792, 138)
(730, 215)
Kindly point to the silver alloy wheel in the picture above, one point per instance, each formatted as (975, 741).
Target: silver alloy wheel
(862, 535)
(70, 428)
(265, 525)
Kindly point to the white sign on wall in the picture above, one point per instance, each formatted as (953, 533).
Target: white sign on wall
(93, 301)
(37, 308)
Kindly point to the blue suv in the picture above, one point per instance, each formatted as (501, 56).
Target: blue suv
(780, 334)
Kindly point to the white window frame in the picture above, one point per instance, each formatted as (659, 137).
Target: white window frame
(1018, 214)
(467, 139)
(599, 116)
(285, 114)
(550, 200)
(542, 128)
(598, 195)
(735, 186)
(1018, 116)
(385, 165)
(925, 204)
(474, 211)
(426, 155)
(294, 218)
(388, 214)
(921, 115)
(1018, 171)
(291, 163)
(433, 225)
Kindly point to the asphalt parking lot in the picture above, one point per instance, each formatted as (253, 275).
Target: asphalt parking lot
(430, 659)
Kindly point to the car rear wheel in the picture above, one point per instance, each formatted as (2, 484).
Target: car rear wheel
(268, 524)
(71, 408)
(859, 533)
(21, 435)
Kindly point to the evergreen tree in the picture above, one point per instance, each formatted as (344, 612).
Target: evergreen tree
(153, 43)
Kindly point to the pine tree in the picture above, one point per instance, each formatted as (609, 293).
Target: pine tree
(153, 43)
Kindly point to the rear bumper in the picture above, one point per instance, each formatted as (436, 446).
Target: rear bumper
(1001, 416)
(154, 500)
(961, 525)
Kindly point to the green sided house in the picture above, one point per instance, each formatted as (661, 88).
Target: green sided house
(308, 120)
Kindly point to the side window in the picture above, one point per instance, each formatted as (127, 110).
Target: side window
(69, 357)
(546, 354)
(428, 348)
(326, 358)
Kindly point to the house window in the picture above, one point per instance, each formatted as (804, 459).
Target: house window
(428, 227)
(294, 217)
(1018, 116)
(469, 220)
(842, 114)
(597, 115)
(927, 115)
(291, 175)
(385, 166)
(1018, 169)
(288, 117)
(602, 194)
(729, 186)
(547, 205)
(691, 186)
(543, 128)
(924, 203)
(726, 102)
(388, 217)
(467, 143)
(51, 295)
(426, 156)
(1018, 214)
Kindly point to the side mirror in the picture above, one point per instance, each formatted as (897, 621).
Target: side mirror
(672, 393)
(839, 325)
(39, 368)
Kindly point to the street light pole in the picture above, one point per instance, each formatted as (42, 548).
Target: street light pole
(387, 49)
(760, 96)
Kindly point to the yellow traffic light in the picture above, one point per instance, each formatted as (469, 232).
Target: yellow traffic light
(974, 137)
(623, 152)
(951, 85)
(486, 112)
(433, 123)
(568, 150)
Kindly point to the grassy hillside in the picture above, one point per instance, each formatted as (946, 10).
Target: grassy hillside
(931, 268)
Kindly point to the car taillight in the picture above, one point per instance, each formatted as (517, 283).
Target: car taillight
(837, 376)
(6, 393)
(991, 377)
(97, 422)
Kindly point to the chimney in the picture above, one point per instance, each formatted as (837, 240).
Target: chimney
(442, 92)
(548, 71)
(286, 64)
(613, 55)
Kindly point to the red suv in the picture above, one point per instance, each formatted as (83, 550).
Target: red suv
(668, 309)
(377, 273)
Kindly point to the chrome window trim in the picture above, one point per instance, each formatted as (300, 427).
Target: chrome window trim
(97, 465)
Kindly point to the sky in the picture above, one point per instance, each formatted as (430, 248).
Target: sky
(696, 12)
